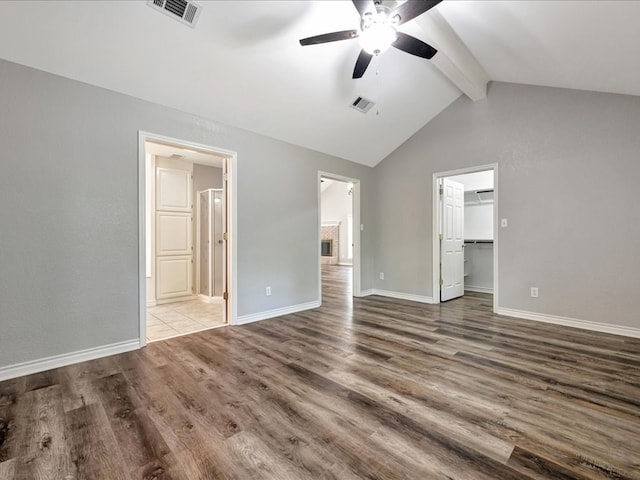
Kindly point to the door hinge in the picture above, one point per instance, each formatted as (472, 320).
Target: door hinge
(440, 236)
(441, 282)
(224, 236)
(441, 191)
(225, 295)
(226, 176)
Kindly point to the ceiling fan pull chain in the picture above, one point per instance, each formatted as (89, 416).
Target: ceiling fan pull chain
(377, 87)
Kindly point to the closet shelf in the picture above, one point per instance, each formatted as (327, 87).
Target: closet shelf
(477, 241)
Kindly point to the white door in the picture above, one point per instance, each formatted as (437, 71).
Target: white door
(452, 240)
(174, 239)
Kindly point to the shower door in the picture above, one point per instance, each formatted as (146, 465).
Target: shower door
(211, 243)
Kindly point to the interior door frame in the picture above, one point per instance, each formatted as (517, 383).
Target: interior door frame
(435, 216)
(355, 212)
(231, 189)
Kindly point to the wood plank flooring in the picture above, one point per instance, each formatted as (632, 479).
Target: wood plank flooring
(370, 388)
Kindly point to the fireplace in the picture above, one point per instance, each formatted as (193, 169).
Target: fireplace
(326, 248)
(329, 244)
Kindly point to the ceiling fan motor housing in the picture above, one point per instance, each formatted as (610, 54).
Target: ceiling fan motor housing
(378, 30)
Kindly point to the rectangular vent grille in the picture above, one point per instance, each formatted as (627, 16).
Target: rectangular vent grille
(182, 10)
(362, 104)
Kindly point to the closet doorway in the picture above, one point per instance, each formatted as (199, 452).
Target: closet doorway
(186, 233)
(465, 233)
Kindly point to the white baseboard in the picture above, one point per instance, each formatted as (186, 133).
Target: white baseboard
(152, 303)
(471, 288)
(255, 317)
(365, 293)
(571, 322)
(399, 295)
(186, 298)
(57, 361)
(208, 299)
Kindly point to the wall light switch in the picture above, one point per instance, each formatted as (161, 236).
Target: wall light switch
(362, 227)
(503, 223)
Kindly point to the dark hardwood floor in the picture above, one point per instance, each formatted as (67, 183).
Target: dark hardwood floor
(370, 388)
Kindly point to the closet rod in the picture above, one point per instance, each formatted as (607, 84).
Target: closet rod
(478, 241)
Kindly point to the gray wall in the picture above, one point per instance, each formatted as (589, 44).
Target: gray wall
(69, 213)
(568, 169)
(69, 207)
(205, 177)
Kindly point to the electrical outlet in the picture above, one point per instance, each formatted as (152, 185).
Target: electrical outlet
(267, 291)
(504, 223)
(381, 275)
(534, 292)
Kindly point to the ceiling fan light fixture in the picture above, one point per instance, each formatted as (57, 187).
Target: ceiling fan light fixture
(377, 38)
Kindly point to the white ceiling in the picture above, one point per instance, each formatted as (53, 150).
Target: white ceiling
(242, 65)
(585, 45)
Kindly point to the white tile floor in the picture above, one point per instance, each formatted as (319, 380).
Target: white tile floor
(179, 318)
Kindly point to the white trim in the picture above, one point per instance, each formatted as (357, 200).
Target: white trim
(400, 295)
(355, 212)
(571, 322)
(57, 361)
(232, 241)
(184, 298)
(436, 229)
(255, 317)
(231, 188)
(471, 288)
(208, 299)
(366, 293)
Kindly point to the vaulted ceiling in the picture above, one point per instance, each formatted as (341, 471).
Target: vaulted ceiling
(242, 64)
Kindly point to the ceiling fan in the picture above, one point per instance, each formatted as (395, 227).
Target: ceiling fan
(378, 31)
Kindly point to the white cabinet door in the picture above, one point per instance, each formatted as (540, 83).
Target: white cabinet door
(174, 276)
(451, 245)
(173, 233)
(173, 190)
(174, 238)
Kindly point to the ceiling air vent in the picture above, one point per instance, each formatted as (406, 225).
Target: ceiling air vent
(362, 104)
(181, 10)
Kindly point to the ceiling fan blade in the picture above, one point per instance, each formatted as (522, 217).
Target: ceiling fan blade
(412, 45)
(364, 6)
(412, 8)
(361, 64)
(330, 37)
